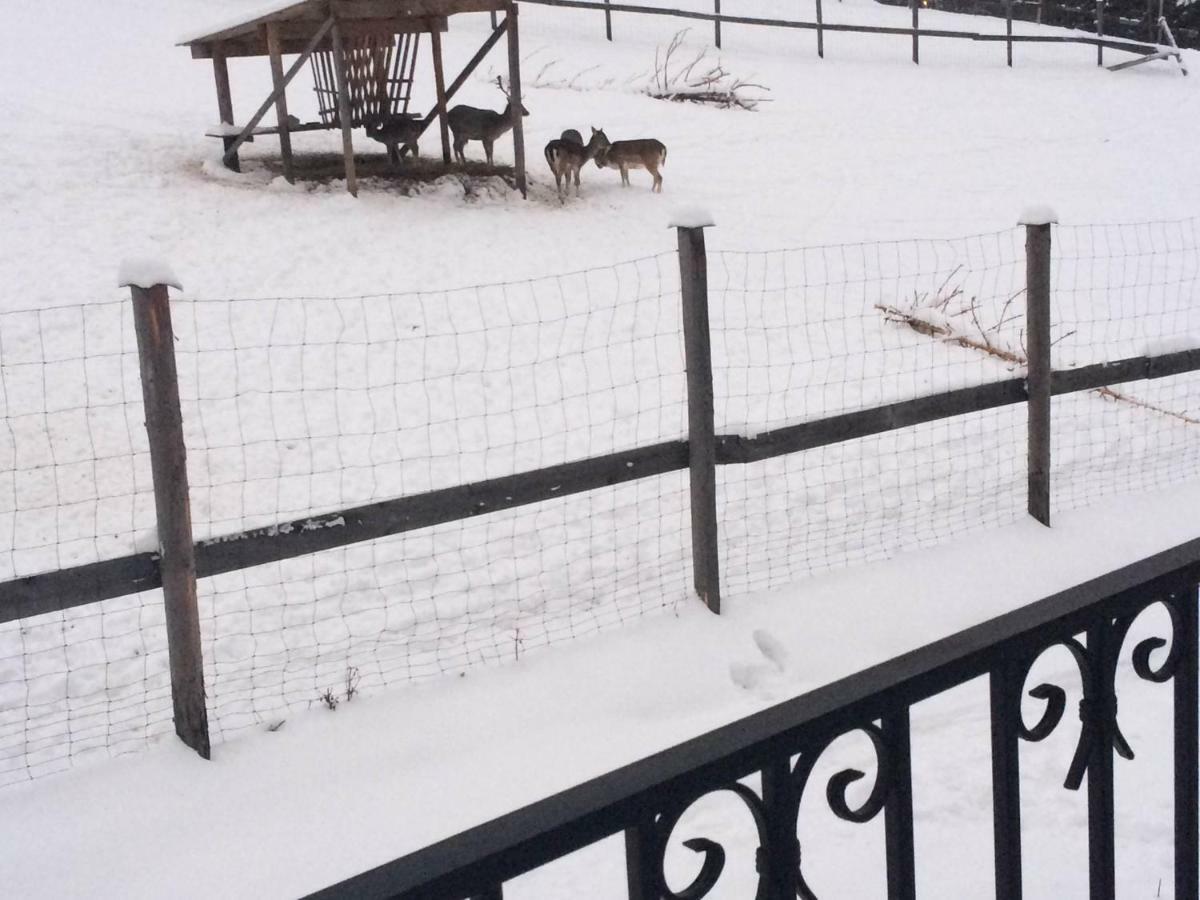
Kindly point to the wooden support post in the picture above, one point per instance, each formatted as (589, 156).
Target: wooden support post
(916, 5)
(820, 32)
(1099, 31)
(344, 113)
(1008, 29)
(1187, 745)
(225, 108)
(693, 281)
(439, 81)
(607, 20)
(168, 465)
(274, 50)
(458, 82)
(1037, 379)
(717, 23)
(248, 130)
(514, 97)
(492, 13)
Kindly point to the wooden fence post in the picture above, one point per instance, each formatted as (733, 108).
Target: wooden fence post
(1037, 224)
(514, 97)
(820, 32)
(916, 5)
(607, 20)
(1008, 29)
(717, 22)
(168, 465)
(702, 455)
(1099, 32)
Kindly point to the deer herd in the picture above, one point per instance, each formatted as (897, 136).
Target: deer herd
(566, 155)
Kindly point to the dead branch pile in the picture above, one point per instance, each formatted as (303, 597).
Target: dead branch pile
(699, 79)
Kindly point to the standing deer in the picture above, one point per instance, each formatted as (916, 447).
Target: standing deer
(645, 153)
(397, 133)
(471, 124)
(566, 157)
(572, 135)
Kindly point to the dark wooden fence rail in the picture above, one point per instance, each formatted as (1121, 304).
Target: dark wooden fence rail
(646, 799)
(91, 583)
(1099, 41)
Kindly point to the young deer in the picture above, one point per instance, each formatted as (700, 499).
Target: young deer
(567, 157)
(470, 124)
(645, 153)
(398, 134)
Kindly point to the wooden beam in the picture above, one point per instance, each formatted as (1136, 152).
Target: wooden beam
(168, 464)
(514, 96)
(439, 80)
(294, 37)
(344, 113)
(1038, 372)
(281, 110)
(470, 67)
(225, 110)
(287, 78)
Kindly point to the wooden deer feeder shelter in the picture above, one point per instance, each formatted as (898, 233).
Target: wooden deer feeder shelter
(362, 55)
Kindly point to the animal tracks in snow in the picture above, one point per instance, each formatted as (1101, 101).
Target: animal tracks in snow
(768, 673)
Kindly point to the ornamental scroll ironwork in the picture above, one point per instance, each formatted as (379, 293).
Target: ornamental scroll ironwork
(775, 824)
(1098, 671)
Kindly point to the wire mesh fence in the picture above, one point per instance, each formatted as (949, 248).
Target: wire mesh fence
(306, 407)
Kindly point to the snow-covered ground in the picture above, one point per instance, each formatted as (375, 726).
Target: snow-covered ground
(329, 794)
(335, 350)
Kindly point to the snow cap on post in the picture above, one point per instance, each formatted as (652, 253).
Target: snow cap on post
(145, 272)
(691, 217)
(1038, 214)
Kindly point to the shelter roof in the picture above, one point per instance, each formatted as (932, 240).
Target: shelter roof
(299, 20)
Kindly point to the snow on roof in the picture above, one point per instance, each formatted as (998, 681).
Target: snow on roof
(251, 14)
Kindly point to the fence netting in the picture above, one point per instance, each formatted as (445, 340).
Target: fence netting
(802, 335)
(295, 407)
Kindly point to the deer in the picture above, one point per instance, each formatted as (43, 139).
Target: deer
(397, 133)
(566, 157)
(645, 153)
(572, 135)
(471, 124)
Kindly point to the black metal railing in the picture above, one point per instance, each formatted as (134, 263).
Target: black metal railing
(646, 800)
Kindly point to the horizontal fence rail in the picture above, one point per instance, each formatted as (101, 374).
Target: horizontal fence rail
(821, 26)
(93, 582)
(646, 799)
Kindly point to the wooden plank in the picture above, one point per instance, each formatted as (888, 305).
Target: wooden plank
(52, 592)
(497, 33)
(850, 426)
(702, 455)
(1037, 323)
(1137, 368)
(225, 110)
(287, 78)
(281, 110)
(439, 80)
(168, 464)
(389, 517)
(93, 582)
(255, 46)
(514, 96)
(344, 114)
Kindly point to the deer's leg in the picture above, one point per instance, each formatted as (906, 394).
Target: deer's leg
(458, 149)
(487, 150)
(624, 175)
